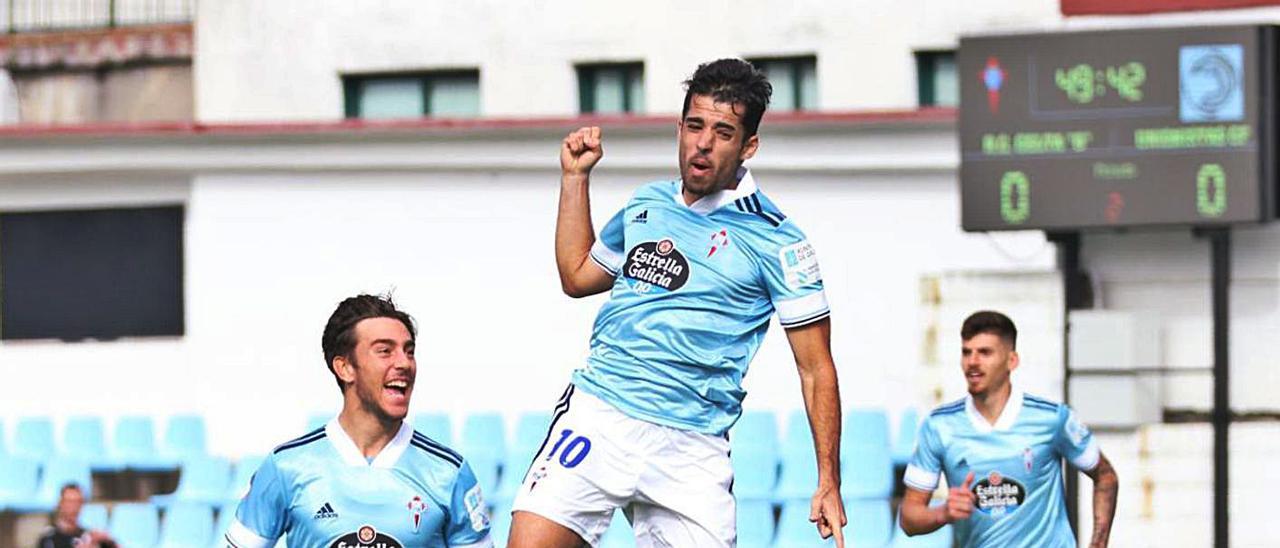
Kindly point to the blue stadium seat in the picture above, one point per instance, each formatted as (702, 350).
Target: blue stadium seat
(795, 530)
(225, 516)
(241, 473)
(500, 523)
(531, 430)
(754, 475)
(187, 525)
(436, 426)
(133, 446)
(33, 439)
(870, 523)
(56, 473)
(619, 533)
(799, 475)
(184, 438)
(4, 440)
(484, 444)
(867, 464)
(755, 431)
(944, 537)
(18, 481)
(203, 480)
(94, 517)
(905, 442)
(755, 524)
(135, 525)
(84, 438)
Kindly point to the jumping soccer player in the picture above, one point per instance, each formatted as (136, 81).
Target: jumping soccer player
(366, 478)
(697, 266)
(1002, 453)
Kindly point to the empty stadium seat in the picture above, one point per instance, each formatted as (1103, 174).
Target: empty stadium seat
(241, 474)
(94, 517)
(83, 438)
(133, 446)
(866, 460)
(56, 473)
(755, 524)
(531, 430)
(754, 453)
(500, 524)
(870, 523)
(795, 530)
(619, 533)
(18, 481)
(484, 446)
(33, 439)
(187, 525)
(4, 440)
(905, 442)
(436, 426)
(799, 474)
(202, 480)
(225, 516)
(184, 438)
(755, 431)
(134, 524)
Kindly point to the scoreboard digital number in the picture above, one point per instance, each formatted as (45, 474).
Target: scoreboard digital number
(1169, 126)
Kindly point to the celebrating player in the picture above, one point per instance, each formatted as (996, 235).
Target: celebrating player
(697, 266)
(366, 478)
(1002, 452)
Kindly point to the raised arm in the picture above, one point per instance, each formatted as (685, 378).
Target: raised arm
(919, 519)
(1106, 487)
(579, 276)
(811, 345)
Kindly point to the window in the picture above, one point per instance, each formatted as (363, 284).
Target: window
(936, 79)
(794, 80)
(611, 88)
(445, 94)
(97, 274)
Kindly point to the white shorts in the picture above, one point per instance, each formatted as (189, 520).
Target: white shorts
(673, 485)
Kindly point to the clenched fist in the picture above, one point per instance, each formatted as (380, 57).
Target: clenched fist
(960, 501)
(581, 151)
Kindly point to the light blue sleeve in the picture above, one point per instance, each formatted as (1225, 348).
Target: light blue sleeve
(926, 462)
(261, 516)
(608, 252)
(468, 516)
(790, 270)
(1074, 441)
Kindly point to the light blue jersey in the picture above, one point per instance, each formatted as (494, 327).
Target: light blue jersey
(1017, 467)
(695, 288)
(320, 492)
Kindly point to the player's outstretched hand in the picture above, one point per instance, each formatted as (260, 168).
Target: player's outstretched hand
(580, 151)
(960, 501)
(827, 511)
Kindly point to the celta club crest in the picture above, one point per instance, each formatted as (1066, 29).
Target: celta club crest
(1027, 459)
(417, 507)
(719, 240)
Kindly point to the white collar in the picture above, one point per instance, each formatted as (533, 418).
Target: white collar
(1007, 415)
(712, 202)
(351, 454)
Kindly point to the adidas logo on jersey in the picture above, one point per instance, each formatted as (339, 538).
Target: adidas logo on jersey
(326, 512)
(642, 218)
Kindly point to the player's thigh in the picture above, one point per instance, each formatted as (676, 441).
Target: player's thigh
(584, 470)
(529, 530)
(685, 497)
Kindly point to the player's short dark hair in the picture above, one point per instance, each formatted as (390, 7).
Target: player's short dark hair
(735, 82)
(339, 337)
(69, 486)
(990, 322)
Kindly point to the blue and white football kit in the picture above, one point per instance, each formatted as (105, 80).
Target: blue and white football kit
(643, 425)
(320, 491)
(1017, 467)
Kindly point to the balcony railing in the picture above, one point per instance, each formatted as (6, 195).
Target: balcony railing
(56, 15)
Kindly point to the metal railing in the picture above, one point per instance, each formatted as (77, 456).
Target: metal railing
(53, 15)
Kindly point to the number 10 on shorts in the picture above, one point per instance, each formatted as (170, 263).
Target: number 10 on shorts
(573, 452)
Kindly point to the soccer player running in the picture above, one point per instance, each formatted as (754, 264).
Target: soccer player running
(1002, 451)
(366, 478)
(697, 266)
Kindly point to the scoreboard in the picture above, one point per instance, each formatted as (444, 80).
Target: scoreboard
(1169, 126)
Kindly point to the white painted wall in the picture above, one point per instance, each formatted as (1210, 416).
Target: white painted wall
(281, 60)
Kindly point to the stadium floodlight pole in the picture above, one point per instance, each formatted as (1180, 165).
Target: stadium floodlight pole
(1220, 249)
(1077, 294)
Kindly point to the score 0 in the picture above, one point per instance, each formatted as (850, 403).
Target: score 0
(1015, 197)
(1211, 191)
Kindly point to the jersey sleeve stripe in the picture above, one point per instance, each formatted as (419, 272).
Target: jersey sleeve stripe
(300, 442)
(438, 453)
(1088, 460)
(799, 309)
(919, 478)
(774, 218)
(805, 321)
(608, 259)
(437, 445)
(240, 536)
